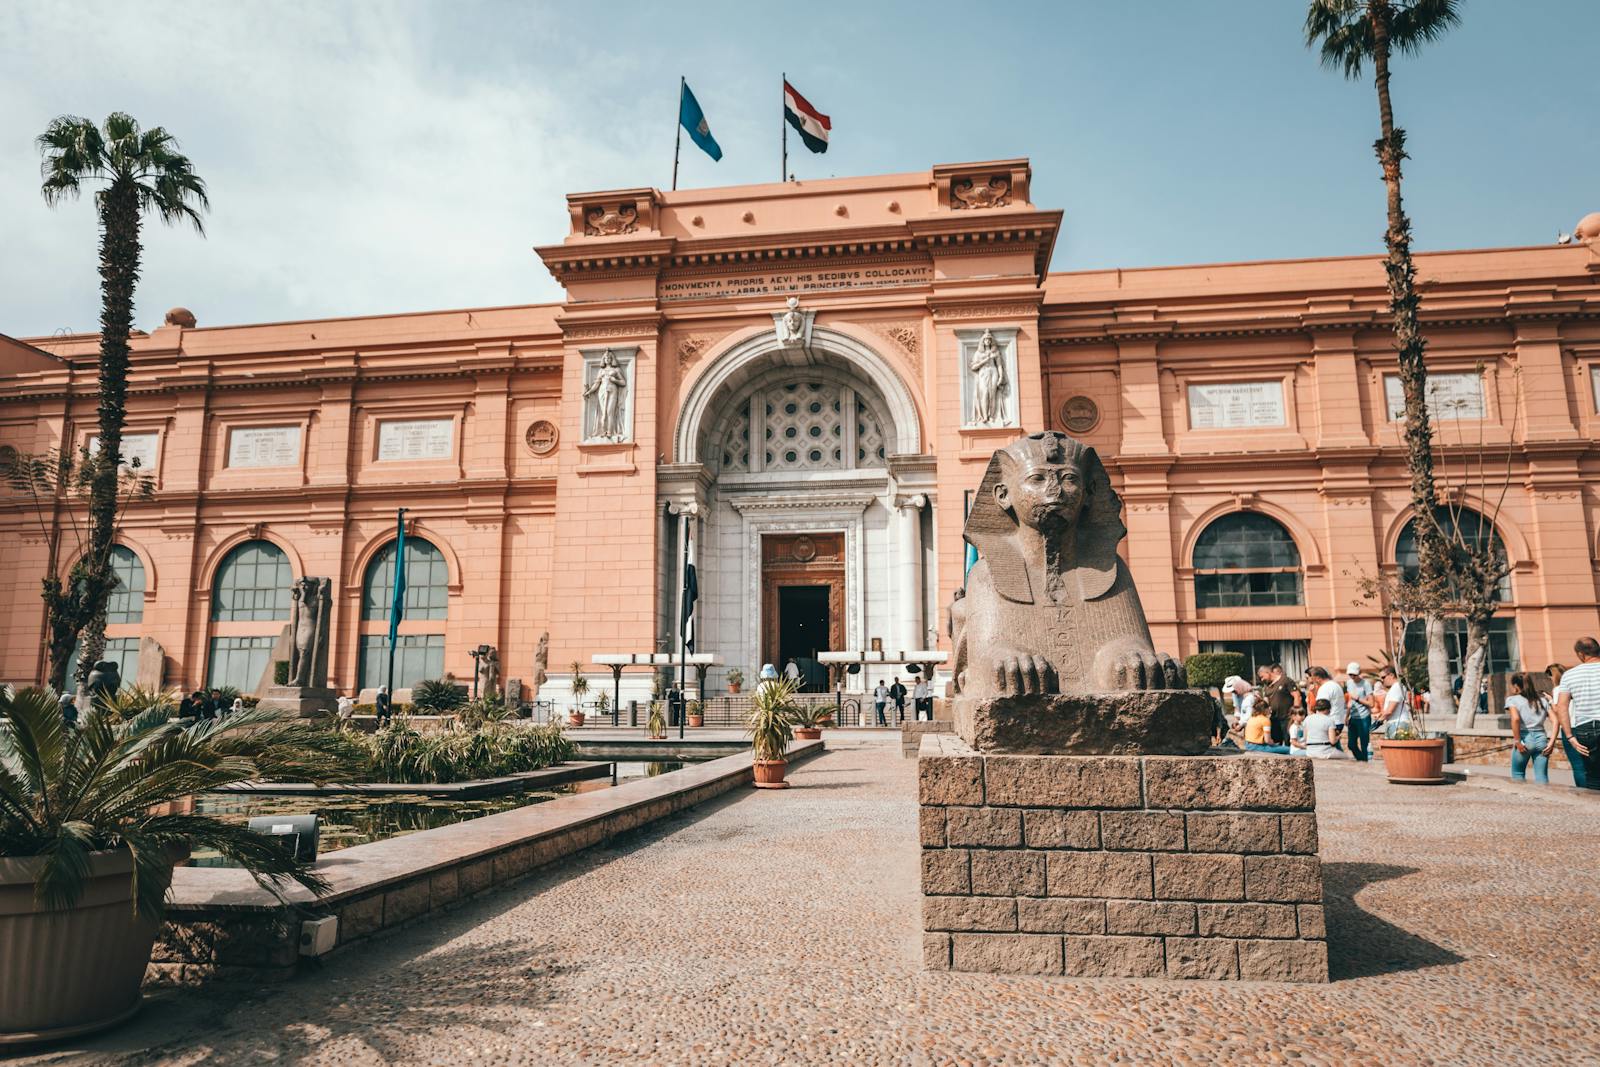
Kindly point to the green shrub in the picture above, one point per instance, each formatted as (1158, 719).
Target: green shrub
(400, 753)
(280, 672)
(135, 700)
(1414, 671)
(1206, 669)
(476, 713)
(438, 695)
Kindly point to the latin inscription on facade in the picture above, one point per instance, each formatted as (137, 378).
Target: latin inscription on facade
(1233, 405)
(1456, 395)
(779, 283)
(264, 446)
(415, 439)
(135, 446)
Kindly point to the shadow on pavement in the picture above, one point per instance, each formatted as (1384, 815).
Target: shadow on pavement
(1360, 944)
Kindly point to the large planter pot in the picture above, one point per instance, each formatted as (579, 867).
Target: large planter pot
(1414, 762)
(696, 720)
(65, 973)
(808, 733)
(735, 687)
(769, 773)
(574, 718)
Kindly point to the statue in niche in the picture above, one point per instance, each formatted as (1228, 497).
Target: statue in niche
(792, 327)
(489, 674)
(311, 601)
(608, 390)
(988, 369)
(541, 660)
(1050, 607)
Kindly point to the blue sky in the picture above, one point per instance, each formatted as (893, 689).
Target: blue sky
(378, 157)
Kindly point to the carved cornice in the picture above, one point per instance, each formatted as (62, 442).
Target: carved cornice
(803, 502)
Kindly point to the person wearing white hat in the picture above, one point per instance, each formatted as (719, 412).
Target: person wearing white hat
(1244, 698)
(1358, 704)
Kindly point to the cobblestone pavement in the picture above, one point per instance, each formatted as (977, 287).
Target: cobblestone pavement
(783, 927)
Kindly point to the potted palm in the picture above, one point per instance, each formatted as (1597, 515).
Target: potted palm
(580, 686)
(92, 822)
(1413, 755)
(770, 727)
(809, 719)
(696, 712)
(735, 679)
(656, 725)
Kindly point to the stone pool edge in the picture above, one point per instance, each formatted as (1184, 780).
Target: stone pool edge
(221, 925)
(472, 789)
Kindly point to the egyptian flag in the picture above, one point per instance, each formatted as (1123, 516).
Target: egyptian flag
(691, 593)
(812, 125)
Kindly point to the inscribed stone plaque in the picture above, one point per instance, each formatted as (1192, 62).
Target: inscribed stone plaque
(264, 446)
(135, 446)
(415, 439)
(1232, 405)
(1458, 395)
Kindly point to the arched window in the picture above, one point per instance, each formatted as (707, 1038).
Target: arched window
(126, 603)
(1246, 560)
(251, 586)
(1467, 530)
(419, 649)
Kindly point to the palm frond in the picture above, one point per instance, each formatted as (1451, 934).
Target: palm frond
(1423, 22)
(1341, 32)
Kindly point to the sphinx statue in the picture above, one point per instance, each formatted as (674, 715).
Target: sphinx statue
(1050, 611)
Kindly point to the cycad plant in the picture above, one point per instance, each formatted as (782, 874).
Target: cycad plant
(770, 722)
(66, 793)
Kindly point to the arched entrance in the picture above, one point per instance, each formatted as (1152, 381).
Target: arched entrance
(790, 481)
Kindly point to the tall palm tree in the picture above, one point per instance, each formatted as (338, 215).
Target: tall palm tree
(138, 171)
(1349, 33)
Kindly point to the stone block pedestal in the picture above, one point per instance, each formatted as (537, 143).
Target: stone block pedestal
(1120, 866)
(305, 701)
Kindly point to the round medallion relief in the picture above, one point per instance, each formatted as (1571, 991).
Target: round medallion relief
(805, 549)
(1080, 414)
(542, 437)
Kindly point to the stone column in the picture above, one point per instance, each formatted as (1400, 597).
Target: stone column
(909, 571)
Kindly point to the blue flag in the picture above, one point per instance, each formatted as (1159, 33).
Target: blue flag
(694, 120)
(398, 607)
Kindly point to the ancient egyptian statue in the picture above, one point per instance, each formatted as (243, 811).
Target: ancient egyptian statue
(1050, 606)
(308, 658)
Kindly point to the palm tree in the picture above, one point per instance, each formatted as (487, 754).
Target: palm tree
(141, 171)
(1348, 33)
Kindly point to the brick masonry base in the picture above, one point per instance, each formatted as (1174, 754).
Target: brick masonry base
(1120, 866)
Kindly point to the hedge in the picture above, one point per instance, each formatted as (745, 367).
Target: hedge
(1207, 669)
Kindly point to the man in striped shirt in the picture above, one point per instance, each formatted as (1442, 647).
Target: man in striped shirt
(1578, 707)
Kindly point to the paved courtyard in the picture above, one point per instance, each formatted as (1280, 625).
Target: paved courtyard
(784, 928)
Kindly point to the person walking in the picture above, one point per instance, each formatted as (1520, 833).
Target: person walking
(1396, 712)
(923, 699)
(880, 699)
(1281, 696)
(791, 671)
(1530, 716)
(1578, 707)
(382, 705)
(897, 693)
(1358, 704)
(1258, 733)
(1555, 672)
(1321, 683)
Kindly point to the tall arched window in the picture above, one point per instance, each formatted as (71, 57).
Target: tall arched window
(251, 586)
(419, 649)
(1246, 560)
(126, 603)
(1470, 531)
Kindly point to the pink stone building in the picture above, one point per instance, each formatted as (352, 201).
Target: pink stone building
(820, 454)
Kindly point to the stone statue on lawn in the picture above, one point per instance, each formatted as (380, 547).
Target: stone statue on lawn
(1050, 611)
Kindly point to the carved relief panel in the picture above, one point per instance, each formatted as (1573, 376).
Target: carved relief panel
(608, 391)
(988, 377)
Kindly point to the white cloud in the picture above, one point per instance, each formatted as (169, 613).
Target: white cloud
(358, 161)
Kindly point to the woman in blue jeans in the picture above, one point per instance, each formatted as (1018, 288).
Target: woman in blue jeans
(1575, 761)
(1530, 718)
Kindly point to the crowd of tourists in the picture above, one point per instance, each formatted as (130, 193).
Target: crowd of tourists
(1332, 714)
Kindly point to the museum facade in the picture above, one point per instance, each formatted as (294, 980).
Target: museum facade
(806, 380)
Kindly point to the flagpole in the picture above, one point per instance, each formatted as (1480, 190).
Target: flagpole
(677, 140)
(683, 633)
(394, 605)
(783, 124)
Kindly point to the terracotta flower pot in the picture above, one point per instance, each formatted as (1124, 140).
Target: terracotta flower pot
(696, 720)
(64, 973)
(769, 773)
(735, 687)
(574, 718)
(1414, 762)
(808, 733)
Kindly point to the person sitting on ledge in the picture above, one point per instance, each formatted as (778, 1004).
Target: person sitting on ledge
(1297, 733)
(1319, 729)
(1258, 733)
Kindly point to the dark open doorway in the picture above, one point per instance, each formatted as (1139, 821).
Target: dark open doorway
(803, 631)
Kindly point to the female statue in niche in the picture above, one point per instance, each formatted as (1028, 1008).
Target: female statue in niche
(988, 380)
(608, 389)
